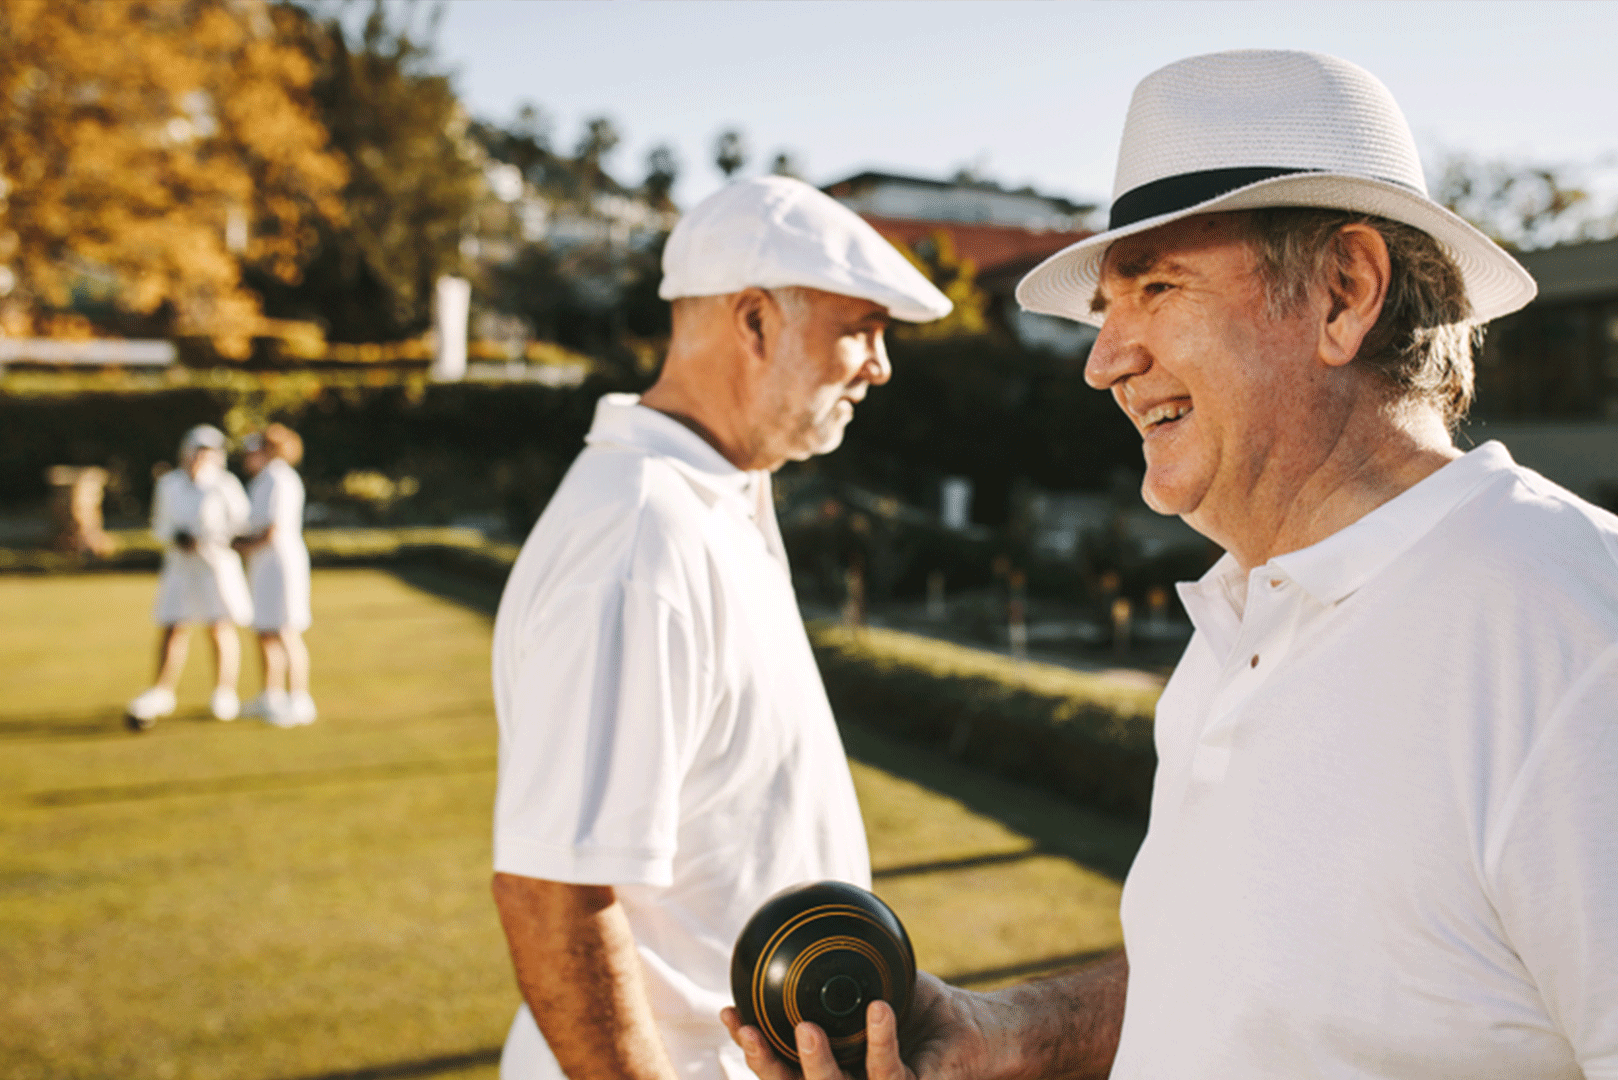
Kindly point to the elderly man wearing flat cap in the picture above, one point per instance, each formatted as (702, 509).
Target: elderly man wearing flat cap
(1384, 828)
(668, 759)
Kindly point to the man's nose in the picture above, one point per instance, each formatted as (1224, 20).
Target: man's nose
(877, 369)
(1116, 355)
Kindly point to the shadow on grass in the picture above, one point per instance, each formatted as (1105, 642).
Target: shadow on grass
(970, 863)
(102, 723)
(1101, 842)
(278, 781)
(405, 1070)
(482, 597)
(1037, 969)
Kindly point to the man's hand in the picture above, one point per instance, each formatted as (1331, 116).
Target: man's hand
(949, 1033)
(1065, 1026)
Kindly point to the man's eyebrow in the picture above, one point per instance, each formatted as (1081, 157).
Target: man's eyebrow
(1141, 264)
(1130, 268)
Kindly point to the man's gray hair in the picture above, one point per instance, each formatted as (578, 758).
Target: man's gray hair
(1422, 343)
(795, 300)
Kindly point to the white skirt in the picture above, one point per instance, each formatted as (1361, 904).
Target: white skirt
(205, 586)
(280, 576)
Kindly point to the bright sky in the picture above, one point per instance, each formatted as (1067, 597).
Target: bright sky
(1031, 92)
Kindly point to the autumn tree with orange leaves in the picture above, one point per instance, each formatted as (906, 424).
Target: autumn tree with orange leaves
(148, 152)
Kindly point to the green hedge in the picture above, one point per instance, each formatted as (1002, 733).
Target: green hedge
(471, 447)
(1084, 736)
(1081, 735)
(463, 551)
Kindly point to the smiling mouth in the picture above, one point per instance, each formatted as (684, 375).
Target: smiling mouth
(1164, 415)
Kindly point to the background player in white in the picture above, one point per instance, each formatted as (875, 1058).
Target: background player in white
(197, 510)
(278, 570)
(667, 755)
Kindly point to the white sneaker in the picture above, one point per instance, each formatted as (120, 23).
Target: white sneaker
(303, 708)
(264, 704)
(224, 704)
(289, 712)
(143, 712)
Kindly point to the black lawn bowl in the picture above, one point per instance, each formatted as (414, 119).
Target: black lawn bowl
(821, 952)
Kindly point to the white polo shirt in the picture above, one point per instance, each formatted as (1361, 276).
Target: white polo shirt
(1384, 829)
(663, 728)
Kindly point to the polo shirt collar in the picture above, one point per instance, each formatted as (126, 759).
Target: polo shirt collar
(1339, 565)
(621, 420)
(1333, 569)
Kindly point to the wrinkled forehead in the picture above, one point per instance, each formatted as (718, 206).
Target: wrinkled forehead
(1181, 248)
(1176, 243)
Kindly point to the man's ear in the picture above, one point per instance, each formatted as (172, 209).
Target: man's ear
(754, 314)
(1357, 288)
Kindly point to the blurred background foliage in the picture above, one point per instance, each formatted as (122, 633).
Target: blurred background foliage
(152, 152)
(413, 177)
(276, 186)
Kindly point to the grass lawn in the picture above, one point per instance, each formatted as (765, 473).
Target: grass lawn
(230, 900)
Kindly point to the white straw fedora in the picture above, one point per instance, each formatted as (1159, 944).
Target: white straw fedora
(1258, 128)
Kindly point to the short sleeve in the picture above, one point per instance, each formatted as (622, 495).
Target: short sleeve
(286, 503)
(602, 703)
(163, 526)
(260, 501)
(1555, 874)
(237, 507)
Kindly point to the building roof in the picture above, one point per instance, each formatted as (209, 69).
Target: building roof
(1574, 271)
(988, 246)
(861, 181)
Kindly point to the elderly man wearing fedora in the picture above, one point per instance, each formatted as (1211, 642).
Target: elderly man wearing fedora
(1384, 827)
(668, 759)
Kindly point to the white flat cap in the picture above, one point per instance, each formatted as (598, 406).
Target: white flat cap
(770, 232)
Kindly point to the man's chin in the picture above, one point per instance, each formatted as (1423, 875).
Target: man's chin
(1166, 499)
(824, 441)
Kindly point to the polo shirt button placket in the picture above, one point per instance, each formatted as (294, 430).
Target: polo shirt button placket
(1270, 616)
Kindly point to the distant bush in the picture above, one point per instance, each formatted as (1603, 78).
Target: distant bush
(441, 450)
(459, 550)
(1077, 734)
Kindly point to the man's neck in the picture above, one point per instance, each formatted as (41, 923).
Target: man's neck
(694, 425)
(1373, 462)
(709, 416)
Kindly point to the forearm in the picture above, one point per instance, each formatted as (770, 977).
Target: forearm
(1068, 1026)
(579, 972)
(1064, 1028)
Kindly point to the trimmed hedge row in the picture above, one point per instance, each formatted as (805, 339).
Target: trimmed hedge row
(1080, 735)
(462, 551)
(1077, 734)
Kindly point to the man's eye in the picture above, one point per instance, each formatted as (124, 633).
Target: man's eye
(1153, 288)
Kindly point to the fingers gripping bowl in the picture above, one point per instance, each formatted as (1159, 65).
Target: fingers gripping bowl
(821, 952)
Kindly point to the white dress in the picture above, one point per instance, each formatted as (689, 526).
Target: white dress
(279, 570)
(205, 584)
